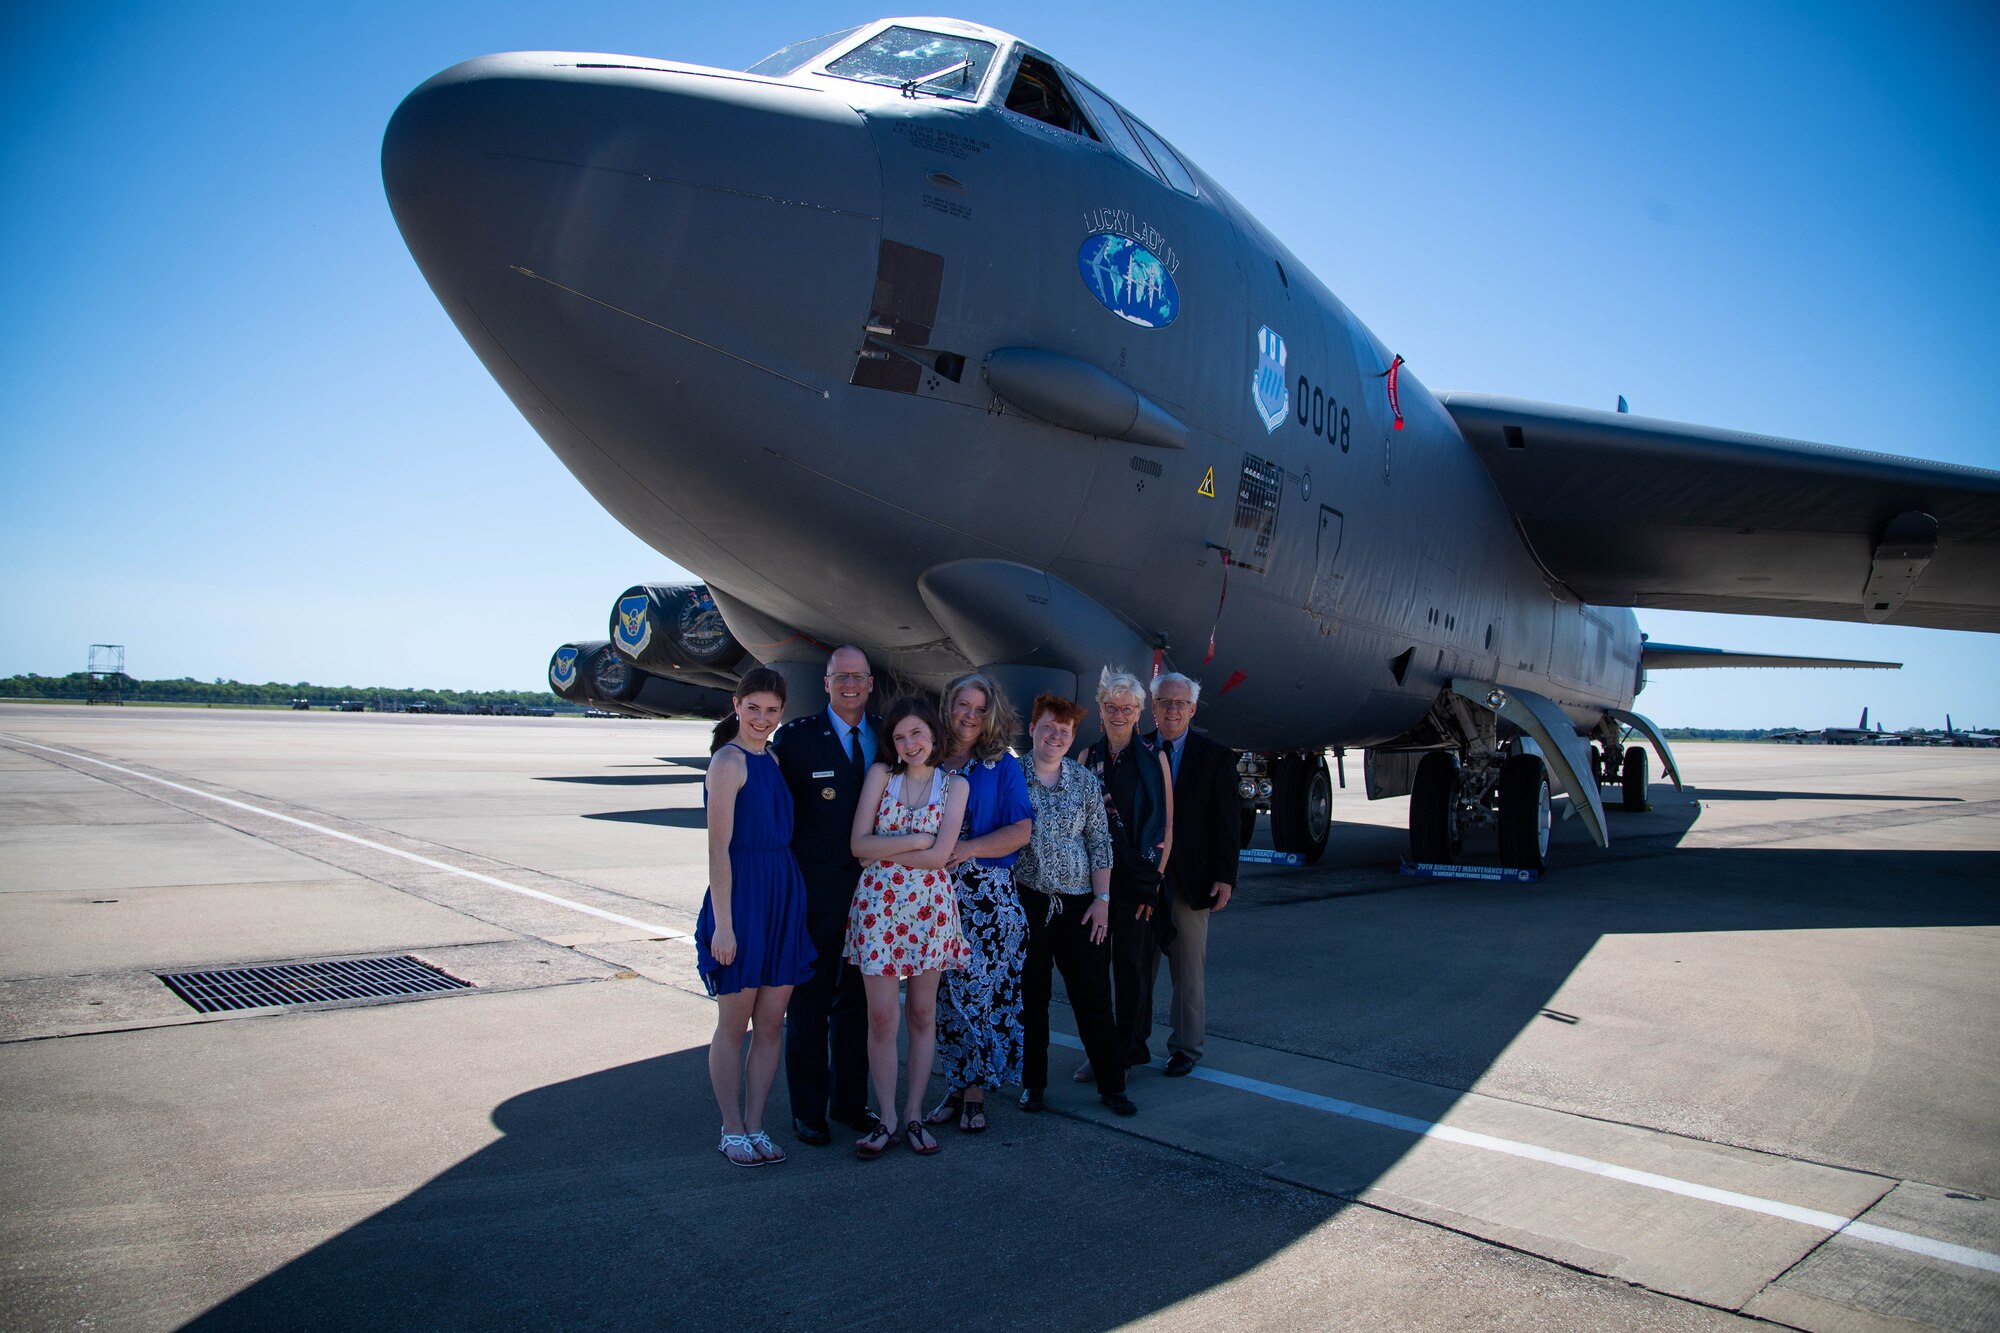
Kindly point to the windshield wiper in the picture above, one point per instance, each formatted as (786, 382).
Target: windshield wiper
(910, 87)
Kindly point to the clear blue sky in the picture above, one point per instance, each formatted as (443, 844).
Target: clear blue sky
(243, 439)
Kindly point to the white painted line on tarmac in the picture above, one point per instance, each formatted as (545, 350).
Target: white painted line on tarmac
(1430, 1129)
(663, 932)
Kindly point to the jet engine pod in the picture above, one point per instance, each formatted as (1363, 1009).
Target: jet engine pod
(591, 674)
(674, 628)
(1000, 613)
(569, 670)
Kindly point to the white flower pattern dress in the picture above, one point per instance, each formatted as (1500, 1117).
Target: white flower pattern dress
(905, 922)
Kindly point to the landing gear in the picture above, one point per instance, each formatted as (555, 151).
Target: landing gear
(1524, 813)
(1636, 779)
(1301, 805)
(1436, 832)
(1249, 824)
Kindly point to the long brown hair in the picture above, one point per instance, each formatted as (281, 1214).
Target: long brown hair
(1001, 719)
(757, 680)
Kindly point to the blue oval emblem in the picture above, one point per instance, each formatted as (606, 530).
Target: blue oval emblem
(1128, 280)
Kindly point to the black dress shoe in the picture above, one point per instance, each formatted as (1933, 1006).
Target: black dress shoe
(1031, 1099)
(1119, 1103)
(1179, 1066)
(811, 1134)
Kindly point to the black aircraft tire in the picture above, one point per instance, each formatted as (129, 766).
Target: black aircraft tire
(1433, 833)
(1525, 818)
(1636, 778)
(1301, 806)
(1249, 824)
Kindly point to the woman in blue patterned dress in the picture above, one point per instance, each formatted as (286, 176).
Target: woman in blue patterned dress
(980, 1038)
(750, 941)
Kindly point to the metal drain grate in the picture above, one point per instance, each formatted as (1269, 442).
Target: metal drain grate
(308, 983)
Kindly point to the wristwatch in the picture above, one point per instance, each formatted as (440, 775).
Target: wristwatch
(1103, 897)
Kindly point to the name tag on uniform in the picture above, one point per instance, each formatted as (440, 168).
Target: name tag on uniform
(827, 774)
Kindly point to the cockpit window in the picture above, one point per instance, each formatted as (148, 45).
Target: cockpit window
(1038, 92)
(919, 62)
(1111, 126)
(787, 59)
(1176, 171)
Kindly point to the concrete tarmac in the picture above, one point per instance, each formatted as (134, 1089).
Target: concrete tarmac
(1741, 1067)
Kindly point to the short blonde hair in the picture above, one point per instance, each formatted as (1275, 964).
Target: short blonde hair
(1117, 680)
(1001, 720)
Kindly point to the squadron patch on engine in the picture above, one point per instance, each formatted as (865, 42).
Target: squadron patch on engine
(635, 627)
(562, 669)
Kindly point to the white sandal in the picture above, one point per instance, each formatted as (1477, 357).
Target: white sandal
(768, 1153)
(732, 1144)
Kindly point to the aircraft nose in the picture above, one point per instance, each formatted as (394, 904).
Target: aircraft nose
(611, 233)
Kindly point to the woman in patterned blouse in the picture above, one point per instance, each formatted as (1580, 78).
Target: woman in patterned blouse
(1064, 878)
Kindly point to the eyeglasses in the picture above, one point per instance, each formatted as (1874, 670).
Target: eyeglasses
(1120, 710)
(1172, 705)
(850, 678)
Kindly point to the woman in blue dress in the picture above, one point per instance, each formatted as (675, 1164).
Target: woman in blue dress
(980, 1039)
(750, 942)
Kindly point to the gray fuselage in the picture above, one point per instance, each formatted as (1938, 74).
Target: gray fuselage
(671, 270)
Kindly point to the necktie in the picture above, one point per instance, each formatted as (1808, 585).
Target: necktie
(854, 748)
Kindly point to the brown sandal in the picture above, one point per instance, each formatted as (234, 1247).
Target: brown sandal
(876, 1141)
(922, 1142)
(972, 1119)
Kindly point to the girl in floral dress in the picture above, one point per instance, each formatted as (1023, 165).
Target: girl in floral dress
(903, 926)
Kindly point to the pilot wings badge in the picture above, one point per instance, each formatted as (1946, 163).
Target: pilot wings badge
(1269, 393)
(562, 669)
(635, 628)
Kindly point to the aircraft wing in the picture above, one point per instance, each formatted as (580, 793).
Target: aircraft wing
(1632, 511)
(1678, 656)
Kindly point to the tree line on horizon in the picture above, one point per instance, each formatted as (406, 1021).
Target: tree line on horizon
(187, 690)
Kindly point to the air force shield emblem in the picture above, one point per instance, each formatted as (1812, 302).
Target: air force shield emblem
(635, 627)
(562, 669)
(1269, 393)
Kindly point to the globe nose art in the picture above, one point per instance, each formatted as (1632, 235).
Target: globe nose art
(641, 253)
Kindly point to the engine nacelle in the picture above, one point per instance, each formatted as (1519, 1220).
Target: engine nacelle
(675, 630)
(591, 674)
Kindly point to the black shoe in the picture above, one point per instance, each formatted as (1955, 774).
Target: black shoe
(1031, 1100)
(1119, 1103)
(859, 1120)
(808, 1133)
(1179, 1066)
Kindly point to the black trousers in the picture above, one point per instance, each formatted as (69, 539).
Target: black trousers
(828, 1018)
(1064, 942)
(1135, 960)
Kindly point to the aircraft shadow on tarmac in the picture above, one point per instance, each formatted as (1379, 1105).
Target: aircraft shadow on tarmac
(604, 1202)
(693, 817)
(1730, 794)
(625, 780)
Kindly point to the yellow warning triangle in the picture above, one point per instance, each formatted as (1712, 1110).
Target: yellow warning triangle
(1208, 484)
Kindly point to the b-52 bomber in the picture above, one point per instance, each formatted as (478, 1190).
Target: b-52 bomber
(910, 336)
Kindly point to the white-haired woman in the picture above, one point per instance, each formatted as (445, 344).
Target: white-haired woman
(1139, 802)
(980, 1037)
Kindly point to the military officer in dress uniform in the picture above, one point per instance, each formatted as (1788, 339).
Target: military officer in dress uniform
(823, 757)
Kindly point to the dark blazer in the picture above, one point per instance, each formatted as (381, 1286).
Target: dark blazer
(1151, 818)
(1208, 814)
(825, 787)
